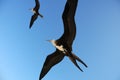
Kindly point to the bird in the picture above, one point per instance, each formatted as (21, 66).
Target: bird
(35, 10)
(63, 45)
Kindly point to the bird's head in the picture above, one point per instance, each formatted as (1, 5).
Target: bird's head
(31, 9)
(51, 41)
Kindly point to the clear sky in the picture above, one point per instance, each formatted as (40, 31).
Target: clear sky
(23, 51)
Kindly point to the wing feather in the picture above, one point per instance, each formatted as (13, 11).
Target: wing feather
(65, 23)
(37, 4)
(33, 18)
(71, 21)
(50, 61)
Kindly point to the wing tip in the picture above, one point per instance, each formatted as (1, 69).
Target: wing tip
(41, 76)
(30, 27)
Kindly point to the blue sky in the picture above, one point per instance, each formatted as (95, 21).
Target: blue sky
(23, 51)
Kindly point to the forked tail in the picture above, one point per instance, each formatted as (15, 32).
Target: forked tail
(77, 58)
(73, 58)
(75, 63)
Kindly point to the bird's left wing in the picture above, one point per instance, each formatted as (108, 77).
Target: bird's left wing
(50, 61)
(33, 18)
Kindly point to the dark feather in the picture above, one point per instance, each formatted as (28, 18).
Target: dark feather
(75, 63)
(71, 21)
(37, 6)
(33, 18)
(78, 59)
(65, 24)
(50, 61)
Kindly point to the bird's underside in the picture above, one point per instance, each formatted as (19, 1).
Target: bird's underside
(66, 40)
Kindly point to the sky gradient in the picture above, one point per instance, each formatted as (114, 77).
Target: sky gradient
(23, 50)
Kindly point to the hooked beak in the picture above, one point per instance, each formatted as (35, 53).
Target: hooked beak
(48, 40)
(30, 9)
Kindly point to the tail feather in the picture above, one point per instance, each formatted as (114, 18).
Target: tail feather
(77, 58)
(41, 15)
(75, 63)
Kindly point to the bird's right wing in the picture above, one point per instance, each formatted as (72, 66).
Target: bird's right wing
(50, 61)
(65, 23)
(37, 4)
(71, 21)
(33, 18)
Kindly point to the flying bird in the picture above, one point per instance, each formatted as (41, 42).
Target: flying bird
(63, 45)
(35, 10)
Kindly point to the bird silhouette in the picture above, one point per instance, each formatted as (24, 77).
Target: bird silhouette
(35, 10)
(63, 45)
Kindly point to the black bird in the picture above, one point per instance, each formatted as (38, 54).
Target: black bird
(64, 43)
(35, 10)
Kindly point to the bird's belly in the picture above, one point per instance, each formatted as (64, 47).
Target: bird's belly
(34, 11)
(60, 48)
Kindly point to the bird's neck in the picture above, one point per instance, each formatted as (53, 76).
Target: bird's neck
(33, 10)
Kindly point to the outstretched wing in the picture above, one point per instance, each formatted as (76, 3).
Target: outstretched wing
(33, 18)
(37, 4)
(50, 61)
(71, 21)
(65, 23)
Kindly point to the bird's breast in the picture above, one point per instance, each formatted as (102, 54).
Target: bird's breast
(33, 11)
(60, 48)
